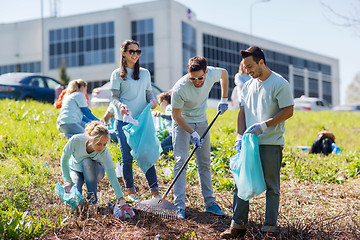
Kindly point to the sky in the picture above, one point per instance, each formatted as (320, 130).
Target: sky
(304, 24)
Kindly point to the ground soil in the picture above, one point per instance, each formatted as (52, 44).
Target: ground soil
(307, 211)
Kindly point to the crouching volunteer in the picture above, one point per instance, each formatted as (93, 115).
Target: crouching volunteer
(85, 158)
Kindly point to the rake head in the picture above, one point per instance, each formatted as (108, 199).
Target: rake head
(161, 207)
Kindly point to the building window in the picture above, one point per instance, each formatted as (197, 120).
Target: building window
(224, 53)
(299, 86)
(81, 45)
(188, 44)
(143, 32)
(313, 87)
(34, 67)
(327, 90)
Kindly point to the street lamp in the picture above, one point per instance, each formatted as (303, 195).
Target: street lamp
(251, 10)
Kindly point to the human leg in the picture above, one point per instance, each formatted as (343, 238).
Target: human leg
(166, 145)
(93, 173)
(151, 178)
(203, 162)
(181, 140)
(78, 179)
(127, 159)
(271, 157)
(71, 129)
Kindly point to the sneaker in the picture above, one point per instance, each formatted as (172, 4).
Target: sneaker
(215, 209)
(133, 198)
(92, 210)
(180, 213)
(233, 233)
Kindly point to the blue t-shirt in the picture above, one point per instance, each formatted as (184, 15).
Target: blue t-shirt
(75, 152)
(70, 111)
(192, 100)
(132, 92)
(263, 100)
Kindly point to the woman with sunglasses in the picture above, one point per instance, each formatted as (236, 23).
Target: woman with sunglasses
(130, 93)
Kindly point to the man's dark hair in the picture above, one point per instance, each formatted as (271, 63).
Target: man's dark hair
(196, 64)
(255, 52)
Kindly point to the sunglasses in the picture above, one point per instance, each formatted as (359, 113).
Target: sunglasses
(197, 78)
(133, 52)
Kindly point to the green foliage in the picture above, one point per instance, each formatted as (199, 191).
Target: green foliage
(18, 225)
(31, 147)
(63, 76)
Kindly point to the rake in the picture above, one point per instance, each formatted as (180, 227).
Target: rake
(163, 207)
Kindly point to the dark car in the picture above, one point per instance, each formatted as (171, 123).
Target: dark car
(28, 86)
(102, 95)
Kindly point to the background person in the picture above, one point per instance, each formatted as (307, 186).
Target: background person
(240, 78)
(74, 112)
(109, 120)
(85, 159)
(130, 93)
(188, 100)
(164, 100)
(266, 102)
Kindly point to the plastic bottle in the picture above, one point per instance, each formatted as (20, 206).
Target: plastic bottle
(335, 149)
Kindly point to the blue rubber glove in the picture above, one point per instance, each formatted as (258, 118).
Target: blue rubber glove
(257, 128)
(196, 139)
(223, 105)
(238, 141)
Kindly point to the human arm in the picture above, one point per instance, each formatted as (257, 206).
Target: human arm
(241, 126)
(86, 111)
(107, 116)
(176, 113)
(115, 99)
(150, 98)
(65, 168)
(224, 83)
(284, 114)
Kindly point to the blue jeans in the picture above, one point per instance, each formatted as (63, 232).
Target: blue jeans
(71, 129)
(166, 145)
(92, 173)
(271, 157)
(127, 161)
(181, 142)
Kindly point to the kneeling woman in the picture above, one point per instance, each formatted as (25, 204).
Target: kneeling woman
(85, 158)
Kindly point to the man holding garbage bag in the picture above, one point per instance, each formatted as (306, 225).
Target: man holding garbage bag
(266, 102)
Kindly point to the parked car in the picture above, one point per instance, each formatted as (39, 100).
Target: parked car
(310, 104)
(102, 95)
(28, 86)
(347, 108)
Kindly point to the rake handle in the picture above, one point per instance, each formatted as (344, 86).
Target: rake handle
(188, 159)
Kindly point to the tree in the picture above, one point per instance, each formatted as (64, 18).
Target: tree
(63, 76)
(353, 90)
(351, 19)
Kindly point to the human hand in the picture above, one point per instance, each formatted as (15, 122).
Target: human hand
(238, 141)
(257, 128)
(156, 113)
(67, 186)
(124, 110)
(154, 103)
(122, 210)
(223, 105)
(196, 139)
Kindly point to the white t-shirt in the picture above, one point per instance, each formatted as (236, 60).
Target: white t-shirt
(263, 100)
(132, 92)
(70, 111)
(191, 99)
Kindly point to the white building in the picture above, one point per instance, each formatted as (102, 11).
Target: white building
(169, 34)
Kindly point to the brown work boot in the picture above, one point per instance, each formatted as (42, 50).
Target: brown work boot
(233, 233)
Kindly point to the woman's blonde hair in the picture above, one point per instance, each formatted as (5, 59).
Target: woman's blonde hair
(74, 86)
(96, 130)
(242, 68)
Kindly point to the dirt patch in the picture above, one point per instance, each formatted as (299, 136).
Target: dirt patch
(307, 211)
